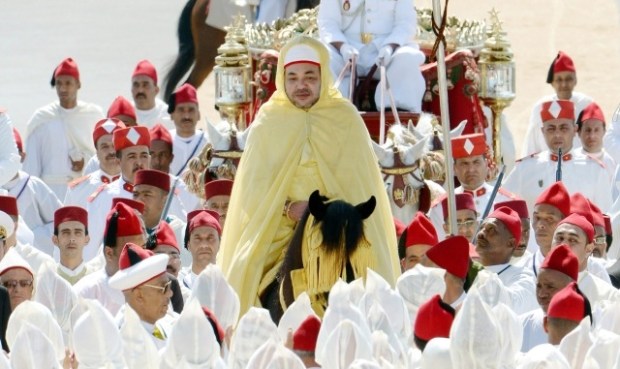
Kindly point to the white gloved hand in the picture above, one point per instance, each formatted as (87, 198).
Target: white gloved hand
(348, 51)
(385, 55)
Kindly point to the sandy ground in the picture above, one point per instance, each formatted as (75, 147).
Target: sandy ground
(108, 38)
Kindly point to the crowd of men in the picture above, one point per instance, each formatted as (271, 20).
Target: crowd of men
(107, 260)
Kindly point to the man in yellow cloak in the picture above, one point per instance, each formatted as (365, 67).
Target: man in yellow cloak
(306, 137)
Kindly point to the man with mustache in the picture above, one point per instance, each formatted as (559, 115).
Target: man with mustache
(187, 141)
(150, 110)
(109, 168)
(71, 236)
(562, 76)
(521, 255)
(203, 241)
(499, 234)
(69, 122)
(306, 137)
(533, 174)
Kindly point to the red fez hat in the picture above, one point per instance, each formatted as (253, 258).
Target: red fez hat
(184, 94)
(561, 63)
(581, 222)
(106, 126)
(434, 319)
(556, 195)
(18, 140)
(203, 218)
(165, 235)
(421, 231)
(218, 331)
(70, 213)
(569, 303)
(464, 201)
(130, 137)
(580, 205)
(557, 109)
(608, 229)
(511, 220)
(8, 204)
(520, 206)
(562, 259)
(468, 145)
(122, 106)
(152, 177)
(134, 204)
(219, 187)
(67, 67)
(145, 68)
(128, 224)
(399, 227)
(160, 133)
(591, 111)
(597, 215)
(137, 266)
(305, 337)
(451, 254)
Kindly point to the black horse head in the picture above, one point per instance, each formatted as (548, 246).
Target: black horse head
(341, 222)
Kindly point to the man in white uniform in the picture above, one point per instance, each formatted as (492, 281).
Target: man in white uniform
(109, 168)
(123, 225)
(36, 201)
(150, 110)
(375, 32)
(563, 78)
(187, 141)
(471, 169)
(70, 123)
(578, 172)
(143, 279)
(498, 236)
(559, 268)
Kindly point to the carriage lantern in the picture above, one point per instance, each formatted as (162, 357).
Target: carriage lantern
(233, 76)
(497, 78)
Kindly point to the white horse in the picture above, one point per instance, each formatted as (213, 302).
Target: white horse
(406, 163)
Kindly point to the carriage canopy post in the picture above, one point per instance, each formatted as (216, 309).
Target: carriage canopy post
(445, 118)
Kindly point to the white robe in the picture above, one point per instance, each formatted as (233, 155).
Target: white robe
(49, 159)
(595, 266)
(519, 284)
(10, 161)
(534, 141)
(533, 329)
(158, 114)
(36, 203)
(596, 290)
(96, 286)
(185, 149)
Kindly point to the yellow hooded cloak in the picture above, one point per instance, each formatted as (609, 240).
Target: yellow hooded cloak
(290, 152)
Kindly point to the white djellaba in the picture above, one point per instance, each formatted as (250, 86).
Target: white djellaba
(418, 285)
(437, 354)
(139, 350)
(254, 329)
(213, 291)
(31, 340)
(40, 317)
(192, 343)
(296, 313)
(96, 339)
(545, 356)
(274, 355)
(345, 344)
(576, 344)
(386, 343)
(475, 336)
(57, 295)
(604, 350)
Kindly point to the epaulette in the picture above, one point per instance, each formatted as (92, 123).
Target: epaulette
(527, 157)
(94, 195)
(508, 194)
(438, 200)
(79, 180)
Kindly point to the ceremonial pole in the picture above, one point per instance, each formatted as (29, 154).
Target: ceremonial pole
(445, 113)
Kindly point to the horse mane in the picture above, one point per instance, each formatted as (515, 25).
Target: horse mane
(341, 225)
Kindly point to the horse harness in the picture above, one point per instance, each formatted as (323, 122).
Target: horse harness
(233, 154)
(403, 193)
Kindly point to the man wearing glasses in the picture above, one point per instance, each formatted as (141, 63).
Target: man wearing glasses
(143, 279)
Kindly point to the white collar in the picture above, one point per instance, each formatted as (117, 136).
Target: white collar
(498, 268)
(459, 301)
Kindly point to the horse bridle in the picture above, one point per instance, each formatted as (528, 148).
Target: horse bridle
(229, 156)
(401, 192)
